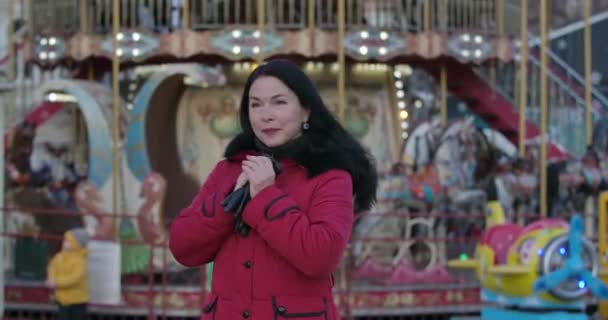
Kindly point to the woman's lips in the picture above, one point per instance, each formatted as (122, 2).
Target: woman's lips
(270, 132)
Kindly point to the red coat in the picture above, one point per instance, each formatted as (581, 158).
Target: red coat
(283, 268)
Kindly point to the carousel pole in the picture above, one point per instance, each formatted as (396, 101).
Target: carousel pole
(543, 109)
(84, 18)
(523, 77)
(261, 8)
(588, 57)
(10, 112)
(443, 72)
(186, 14)
(84, 28)
(115, 106)
(10, 98)
(311, 22)
(341, 61)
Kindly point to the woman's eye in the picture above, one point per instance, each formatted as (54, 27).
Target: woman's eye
(280, 102)
(254, 105)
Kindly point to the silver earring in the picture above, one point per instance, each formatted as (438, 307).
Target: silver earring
(305, 125)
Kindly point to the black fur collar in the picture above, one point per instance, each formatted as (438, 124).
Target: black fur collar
(320, 153)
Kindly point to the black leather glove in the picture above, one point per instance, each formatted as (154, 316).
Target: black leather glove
(235, 202)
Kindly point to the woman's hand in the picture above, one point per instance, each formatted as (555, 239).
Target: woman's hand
(260, 173)
(240, 181)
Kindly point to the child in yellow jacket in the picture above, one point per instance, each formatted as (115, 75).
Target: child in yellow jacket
(67, 275)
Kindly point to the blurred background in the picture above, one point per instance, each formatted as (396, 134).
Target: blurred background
(113, 113)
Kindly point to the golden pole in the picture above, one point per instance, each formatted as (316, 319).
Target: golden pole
(588, 59)
(11, 64)
(543, 109)
(500, 17)
(186, 14)
(427, 16)
(523, 77)
(11, 42)
(115, 105)
(444, 96)
(83, 16)
(30, 20)
(341, 60)
(443, 73)
(311, 16)
(261, 20)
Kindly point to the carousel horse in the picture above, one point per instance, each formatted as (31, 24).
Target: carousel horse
(416, 261)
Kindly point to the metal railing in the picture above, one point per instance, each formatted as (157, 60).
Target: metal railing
(566, 105)
(410, 15)
(64, 16)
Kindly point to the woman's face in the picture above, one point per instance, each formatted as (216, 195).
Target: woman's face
(275, 112)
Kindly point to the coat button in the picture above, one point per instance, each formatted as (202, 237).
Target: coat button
(245, 314)
(248, 264)
(208, 308)
(281, 310)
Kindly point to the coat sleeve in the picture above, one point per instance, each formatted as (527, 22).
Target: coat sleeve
(312, 241)
(199, 231)
(77, 274)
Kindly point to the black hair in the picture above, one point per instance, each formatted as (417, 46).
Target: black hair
(326, 144)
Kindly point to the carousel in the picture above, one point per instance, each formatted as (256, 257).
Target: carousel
(132, 103)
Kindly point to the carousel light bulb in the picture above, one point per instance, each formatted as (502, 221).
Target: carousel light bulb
(382, 50)
(397, 74)
(465, 53)
(400, 94)
(401, 104)
(52, 41)
(581, 284)
(119, 52)
(236, 33)
(407, 70)
(52, 97)
(44, 41)
(335, 67)
(466, 37)
(478, 53)
(236, 49)
(120, 36)
(256, 49)
(256, 34)
(418, 104)
(246, 65)
(364, 34)
(136, 36)
(363, 50)
(52, 55)
(404, 125)
(403, 114)
(404, 135)
(383, 35)
(478, 39)
(135, 52)
(42, 55)
(399, 84)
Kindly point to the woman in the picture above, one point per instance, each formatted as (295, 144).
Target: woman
(300, 219)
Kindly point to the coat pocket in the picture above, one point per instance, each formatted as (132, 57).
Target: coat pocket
(300, 308)
(210, 307)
